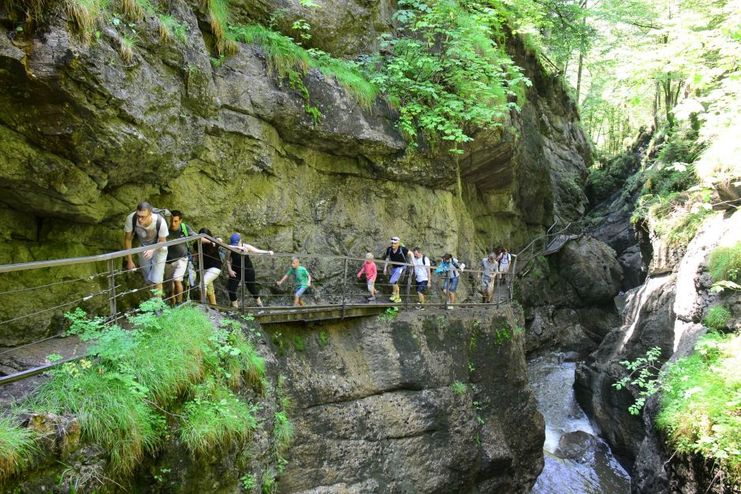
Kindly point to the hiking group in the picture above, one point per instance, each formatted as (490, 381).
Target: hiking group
(173, 263)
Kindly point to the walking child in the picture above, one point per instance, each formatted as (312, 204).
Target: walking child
(302, 277)
(371, 271)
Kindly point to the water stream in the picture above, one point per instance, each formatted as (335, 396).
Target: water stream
(576, 460)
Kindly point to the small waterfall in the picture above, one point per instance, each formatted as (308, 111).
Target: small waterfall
(576, 460)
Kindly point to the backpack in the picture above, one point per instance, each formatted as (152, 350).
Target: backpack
(161, 214)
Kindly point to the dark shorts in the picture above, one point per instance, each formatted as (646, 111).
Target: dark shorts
(421, 286)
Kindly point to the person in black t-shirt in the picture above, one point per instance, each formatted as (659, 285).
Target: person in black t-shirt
(395, 253)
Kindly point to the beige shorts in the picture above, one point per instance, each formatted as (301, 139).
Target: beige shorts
(176, 269)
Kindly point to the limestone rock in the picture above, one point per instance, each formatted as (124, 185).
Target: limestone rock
(590, 266)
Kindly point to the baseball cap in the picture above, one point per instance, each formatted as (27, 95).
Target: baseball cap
(234, 239)
(395, 239)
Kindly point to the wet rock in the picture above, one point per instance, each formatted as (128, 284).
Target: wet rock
(576, 446)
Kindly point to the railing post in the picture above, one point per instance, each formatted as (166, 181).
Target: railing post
(112, 288)
(241, 280)
(513, 277)
(409, 285)
(446, 292)
(344, 288)
(201, 281)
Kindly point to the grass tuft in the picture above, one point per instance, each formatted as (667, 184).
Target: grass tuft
(282, 432)
(121, 397)
(85, 15)
(17, 447)
(717, 318)
(215, 419)
(459, 388)
(725, 263)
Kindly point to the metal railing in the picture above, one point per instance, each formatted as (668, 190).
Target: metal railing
(100, 284)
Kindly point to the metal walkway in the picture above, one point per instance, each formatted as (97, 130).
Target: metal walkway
(100, 286)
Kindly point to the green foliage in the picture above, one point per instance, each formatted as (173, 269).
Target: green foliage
(214, 419)
(644, 375)
(717, 317)
(121, 396)
(171, 28)
(298, 343)
(445, 72)
(17, 447)
(323, 339)
(248, 482)
(724, 263)
(83, 326)
(291, 62)
(701, 402)
(389, 314)
(110, 407)
(502, 335)
(282, 432)
(268, 482)
(459, 388)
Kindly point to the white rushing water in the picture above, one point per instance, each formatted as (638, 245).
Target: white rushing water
(576, 461)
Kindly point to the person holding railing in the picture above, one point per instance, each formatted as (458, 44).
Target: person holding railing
(451, 269)
(395, 253)
(236, 274)
(151, 228)
(178, 256)
(422, 273)
(370, 271)
(503, 258)
(211, 264)
(489, 268)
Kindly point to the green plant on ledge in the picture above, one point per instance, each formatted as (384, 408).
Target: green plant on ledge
(644, 375)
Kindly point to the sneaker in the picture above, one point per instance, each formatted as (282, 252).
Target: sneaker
(235, 304)
(371, 299)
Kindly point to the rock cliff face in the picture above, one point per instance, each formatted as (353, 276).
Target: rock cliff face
(431, 403)
(86, 135)
(666, 311)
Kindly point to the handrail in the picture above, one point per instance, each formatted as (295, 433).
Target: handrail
(8, 268)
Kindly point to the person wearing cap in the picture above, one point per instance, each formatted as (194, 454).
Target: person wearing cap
(234, 266)
(395, 253)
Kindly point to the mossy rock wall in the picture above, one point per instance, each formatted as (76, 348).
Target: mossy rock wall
(86, 135)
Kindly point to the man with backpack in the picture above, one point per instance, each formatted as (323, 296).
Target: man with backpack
(178, 256)
(151, 228)
(395, 253)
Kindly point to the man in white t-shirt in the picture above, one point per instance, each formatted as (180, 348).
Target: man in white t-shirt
(151, 229)
(422, 273)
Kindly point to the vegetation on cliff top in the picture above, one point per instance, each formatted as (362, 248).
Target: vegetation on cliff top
(701, 403)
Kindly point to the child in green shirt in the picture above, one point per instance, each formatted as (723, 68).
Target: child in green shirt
(302, 277)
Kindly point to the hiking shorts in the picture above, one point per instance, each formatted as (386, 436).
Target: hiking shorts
(153, 269)
(176, 269)
(371, 285)
(396, 274)
(451, 284)
(300, 291)
(422, 286)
